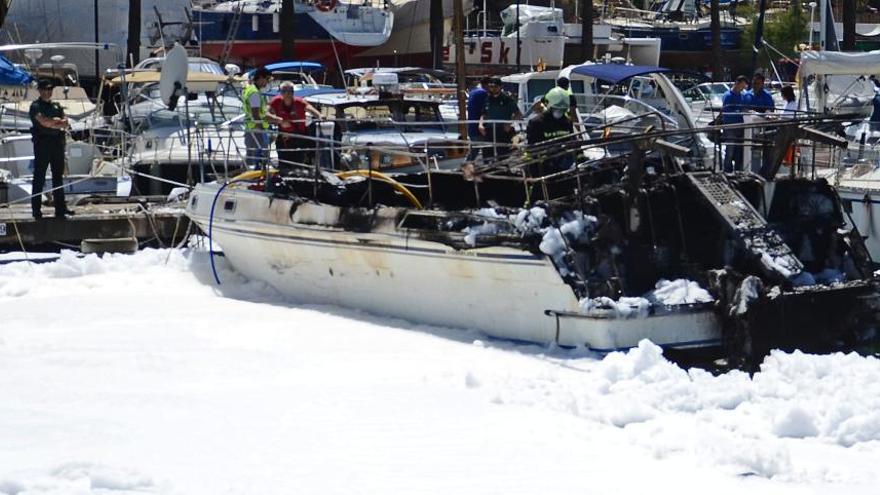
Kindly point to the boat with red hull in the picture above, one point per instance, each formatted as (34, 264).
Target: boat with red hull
(325, 29)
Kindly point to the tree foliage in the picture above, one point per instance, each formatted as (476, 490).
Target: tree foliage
(783, 30)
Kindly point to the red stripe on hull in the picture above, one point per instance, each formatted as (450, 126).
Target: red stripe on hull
(253, 54)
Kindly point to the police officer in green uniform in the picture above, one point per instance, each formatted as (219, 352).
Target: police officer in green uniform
(48, 136)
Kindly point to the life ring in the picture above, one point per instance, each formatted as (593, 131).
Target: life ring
(325, 5)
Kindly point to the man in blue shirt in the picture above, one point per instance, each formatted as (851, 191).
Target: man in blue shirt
(761, 101)
(476, 103)
(734, 103)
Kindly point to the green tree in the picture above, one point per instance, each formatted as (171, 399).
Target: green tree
(782, 30)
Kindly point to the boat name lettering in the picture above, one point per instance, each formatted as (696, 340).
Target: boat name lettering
(490, 53)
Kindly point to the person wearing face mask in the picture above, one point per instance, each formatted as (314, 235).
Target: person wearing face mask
(551, 124)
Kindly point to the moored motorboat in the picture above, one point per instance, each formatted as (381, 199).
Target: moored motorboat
(325, 30)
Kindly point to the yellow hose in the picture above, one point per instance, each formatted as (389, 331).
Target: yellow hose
(256, 174)
(252, 174)
(384, 178)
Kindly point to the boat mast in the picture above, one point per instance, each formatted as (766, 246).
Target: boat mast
(288, 30)
(134, 32)
(716, 39)
(435, 30)
(518, 43)
(586, 30)
(97, 51)
(458, 41)
(759, 35)
(849, 26)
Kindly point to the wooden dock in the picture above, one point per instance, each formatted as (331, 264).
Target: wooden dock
(99, 225)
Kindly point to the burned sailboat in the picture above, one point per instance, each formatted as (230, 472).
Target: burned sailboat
(602, 255)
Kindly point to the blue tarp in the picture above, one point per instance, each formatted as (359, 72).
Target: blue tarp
(304, 92)
(296, 66)
(10, 75)
(614, 73)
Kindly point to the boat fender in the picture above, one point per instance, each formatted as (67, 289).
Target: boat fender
(325, 5)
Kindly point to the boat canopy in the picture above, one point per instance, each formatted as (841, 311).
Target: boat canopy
(830, 63)
(614, 73)
(10, 75)
(296, 66)
(314, 91)
(361, 72)
(152, 76)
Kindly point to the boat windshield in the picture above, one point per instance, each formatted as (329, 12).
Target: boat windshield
(714, 88)
(202, 112)
(296, 77)
(208, 66)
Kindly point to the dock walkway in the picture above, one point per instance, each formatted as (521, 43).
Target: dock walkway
(100, 224)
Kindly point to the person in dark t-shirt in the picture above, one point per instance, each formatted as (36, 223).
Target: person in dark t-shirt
(500, 106)
(551, 124)
(49, 123)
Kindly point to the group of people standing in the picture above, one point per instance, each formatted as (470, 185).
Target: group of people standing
(491, 112)
(737, 102)
(287, 111)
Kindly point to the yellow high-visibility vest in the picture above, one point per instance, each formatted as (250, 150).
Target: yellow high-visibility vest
(249, 121)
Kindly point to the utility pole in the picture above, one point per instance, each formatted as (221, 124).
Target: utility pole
(849, 26)
(716, 40)
(288, 30)
(458, 40)
(586, 30)
(435, 31)
(134, 32)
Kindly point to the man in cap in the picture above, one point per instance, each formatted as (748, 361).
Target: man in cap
(48, 136)
(565, 84)
(551, 124)
(256, 118)
(500, 106)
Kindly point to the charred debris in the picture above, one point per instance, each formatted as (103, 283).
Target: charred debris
(785, 268)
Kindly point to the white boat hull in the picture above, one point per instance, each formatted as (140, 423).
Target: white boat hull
(865, 214)
(505, 292)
